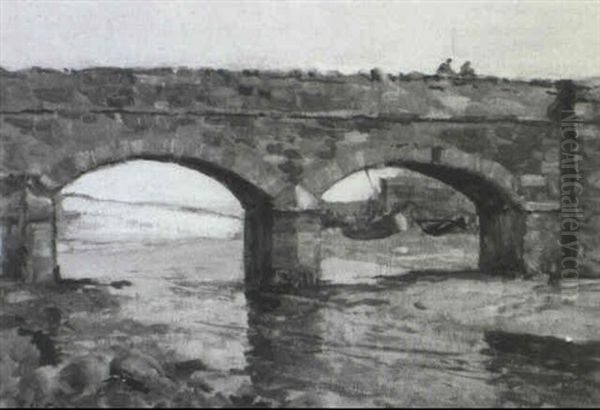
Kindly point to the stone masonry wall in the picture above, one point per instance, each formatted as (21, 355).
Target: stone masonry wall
(292, 120)
(290, 135)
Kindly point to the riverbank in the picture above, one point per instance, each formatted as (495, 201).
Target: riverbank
(172, 326)
(44, 361)
(62, 345)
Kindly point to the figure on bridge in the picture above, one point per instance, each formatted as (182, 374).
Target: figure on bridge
(466, 70)
(445, 68)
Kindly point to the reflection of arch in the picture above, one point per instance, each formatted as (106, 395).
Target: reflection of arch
(253, 182)
(486, 183)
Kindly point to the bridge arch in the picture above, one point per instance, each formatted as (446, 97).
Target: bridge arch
(487, 184)
(239, 169)
(255, 183)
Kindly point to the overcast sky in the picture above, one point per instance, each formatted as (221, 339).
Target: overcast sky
(514, 39)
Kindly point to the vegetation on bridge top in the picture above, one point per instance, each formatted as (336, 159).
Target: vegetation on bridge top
(334, 76)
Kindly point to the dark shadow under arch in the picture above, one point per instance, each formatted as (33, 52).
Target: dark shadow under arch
(502, 218)
(257, 204)
(247, 193)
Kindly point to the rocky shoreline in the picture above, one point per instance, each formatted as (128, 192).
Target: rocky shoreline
(38, 367)
(74, 344)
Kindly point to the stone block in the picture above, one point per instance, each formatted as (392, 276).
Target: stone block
(544, 206)
(455, 105)
(589, 238)
(551, 153)
(590, 268)
(39, 208)
(349, 160)
(304, 199)
(4, 247)
(11, 206)
(83, 161)
(54, 94)
(12, 234)
(355, 137)
(321, 177)
(586, 111)
(593, 179)
(541, 243)
(455, 158)
(296, 247)
(550, 167)
(122, 150)
(530, 180)
(103, 154)
(286, 199)
(500, 176)
(414, 154)
(137, 146)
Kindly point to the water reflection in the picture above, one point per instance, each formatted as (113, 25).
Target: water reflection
(426, 338)
(370, 346)
(356, 347)
(533, 370)
(285, 338)
(194, 287)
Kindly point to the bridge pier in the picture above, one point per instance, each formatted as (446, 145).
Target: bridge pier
(541, 242)
(282, 248)
(296, 248)
(501, 241)
(258, 225)
(514, 242)
(27, 234)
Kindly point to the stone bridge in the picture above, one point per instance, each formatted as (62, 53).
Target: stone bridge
(279, 140)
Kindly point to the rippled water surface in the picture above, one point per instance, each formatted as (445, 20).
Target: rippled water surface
(430, 339)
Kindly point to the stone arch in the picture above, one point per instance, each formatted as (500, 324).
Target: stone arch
(486, 183)
(238, 168)
(431, 160)
(253, 182)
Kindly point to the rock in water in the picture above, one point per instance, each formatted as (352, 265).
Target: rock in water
(118, 284)
(83, 375)
(137, 369)
(18, 296)
(115, 393)
(53, 317)
(304, 400)
(185, 368)
(49, 352)
(38, 388)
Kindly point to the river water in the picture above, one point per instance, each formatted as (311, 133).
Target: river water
(431, 339)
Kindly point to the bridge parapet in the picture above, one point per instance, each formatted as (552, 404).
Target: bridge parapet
(269, 93)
